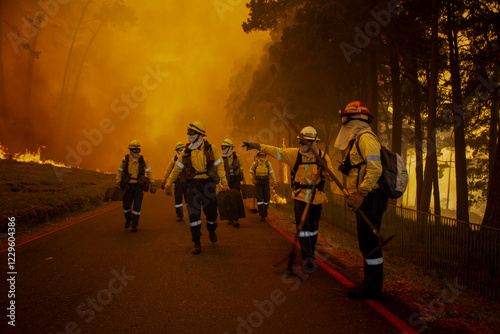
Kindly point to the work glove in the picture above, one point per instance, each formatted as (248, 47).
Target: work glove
(225, 187)
(162, 185)
(254, 181)
(152, 188)
(168, 190)
(251, 146)
(243, 181)
(355, 199)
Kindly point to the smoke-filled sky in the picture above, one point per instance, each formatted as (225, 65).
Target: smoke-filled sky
(142, 70)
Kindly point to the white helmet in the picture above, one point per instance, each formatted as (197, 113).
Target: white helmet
(308, 133)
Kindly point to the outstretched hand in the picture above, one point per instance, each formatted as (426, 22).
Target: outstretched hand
(251, 146)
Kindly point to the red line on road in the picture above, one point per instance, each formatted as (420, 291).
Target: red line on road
(78, 221)
(383, 311)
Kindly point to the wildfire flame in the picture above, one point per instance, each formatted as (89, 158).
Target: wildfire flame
(278, 199)
(28, 156)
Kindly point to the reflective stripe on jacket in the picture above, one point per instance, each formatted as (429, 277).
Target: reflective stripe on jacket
(259, 169)
(306, 173)
(371, 171)
(133, 170)
(199, 163)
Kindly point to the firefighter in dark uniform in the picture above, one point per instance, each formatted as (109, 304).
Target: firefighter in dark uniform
(132, 177)
(305, 171)
(363, 172)
(199, 170)
(233, 168)
(261, 171)
(178, 188)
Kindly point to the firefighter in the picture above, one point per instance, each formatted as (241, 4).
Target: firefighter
(178, 188)
(305, 171)
(199, 170)
(363, 168)
(132, 177)
(261, 171)
(233, 168)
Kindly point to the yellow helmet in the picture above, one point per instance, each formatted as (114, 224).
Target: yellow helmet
(227, 142)
(134, 144)
(308, 133)
(197, 126)
(179, 146)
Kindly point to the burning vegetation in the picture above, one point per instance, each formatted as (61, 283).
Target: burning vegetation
(27, 156)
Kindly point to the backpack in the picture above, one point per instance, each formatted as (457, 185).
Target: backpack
(142, 179)
(394, 178)
(296, 185)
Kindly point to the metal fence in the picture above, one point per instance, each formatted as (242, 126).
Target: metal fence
(470, 252)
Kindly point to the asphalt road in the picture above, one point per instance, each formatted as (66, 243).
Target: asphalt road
(96, 277)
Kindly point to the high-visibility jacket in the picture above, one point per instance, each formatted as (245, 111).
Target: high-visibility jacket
(307, 172)
(170, 167)
(366, 177)
(133, 169)
(262, 169)
(199, 163)
(233, 164)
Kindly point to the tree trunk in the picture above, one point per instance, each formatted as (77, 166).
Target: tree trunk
(431, 173)
(493, 204)
(419, 166)
(492, 145)
(459, 126)
(77, 81)
(29, 72)
(372, 87)
(397, 118)
(3, 98)
(66, 67)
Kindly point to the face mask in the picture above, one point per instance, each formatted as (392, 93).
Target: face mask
(192, 138)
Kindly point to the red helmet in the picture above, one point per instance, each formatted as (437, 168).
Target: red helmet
(356, 110)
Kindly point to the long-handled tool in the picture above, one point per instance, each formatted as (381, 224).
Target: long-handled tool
(382, 241)
(291, 255)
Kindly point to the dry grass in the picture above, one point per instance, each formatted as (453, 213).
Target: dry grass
(34, 194)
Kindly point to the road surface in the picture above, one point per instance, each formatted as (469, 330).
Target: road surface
(96, 277)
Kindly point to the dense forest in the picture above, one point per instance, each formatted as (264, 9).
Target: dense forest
(428, 70)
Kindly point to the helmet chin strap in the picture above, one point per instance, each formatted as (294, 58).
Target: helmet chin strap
(350, 118)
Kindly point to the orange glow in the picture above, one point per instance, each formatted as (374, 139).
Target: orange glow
(98, 74)
(278, 199)
(29, 157)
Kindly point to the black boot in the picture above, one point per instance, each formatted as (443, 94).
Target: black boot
(371, 287)
(197, 247)
(128, 219)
